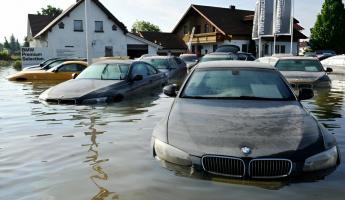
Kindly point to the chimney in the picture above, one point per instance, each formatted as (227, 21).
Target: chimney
(232, 7)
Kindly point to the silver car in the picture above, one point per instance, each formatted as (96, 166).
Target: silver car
(303, 72)
(241, 120)
(173, 67)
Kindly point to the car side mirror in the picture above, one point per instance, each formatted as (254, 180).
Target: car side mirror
(305, 94)
(170, 90)
(137, 78)
(329, 70)
(74, 76)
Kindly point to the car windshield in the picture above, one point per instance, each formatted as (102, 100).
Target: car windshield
(159, 63)
(217, 58)
(299, 65)
(237, 83)
(105, 72)
(191, 58)
(52, 64)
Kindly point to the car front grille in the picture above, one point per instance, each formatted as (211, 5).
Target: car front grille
(255, 168)
(225, 166)
(270, 168)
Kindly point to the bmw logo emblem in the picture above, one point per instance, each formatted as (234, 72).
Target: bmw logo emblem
(246, 150)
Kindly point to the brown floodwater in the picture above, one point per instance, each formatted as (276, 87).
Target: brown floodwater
(54, 152)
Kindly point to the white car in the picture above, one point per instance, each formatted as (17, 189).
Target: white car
(337, 63)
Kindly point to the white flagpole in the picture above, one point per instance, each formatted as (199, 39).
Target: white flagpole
(292, 23)
(274, 26)
(88, 53)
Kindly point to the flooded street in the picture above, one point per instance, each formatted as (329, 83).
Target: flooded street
(54, 152)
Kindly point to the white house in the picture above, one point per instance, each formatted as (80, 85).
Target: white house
(65, 36)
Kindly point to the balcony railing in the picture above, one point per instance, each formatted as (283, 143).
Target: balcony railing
(204, 38)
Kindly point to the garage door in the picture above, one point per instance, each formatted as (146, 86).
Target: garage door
(137, 50)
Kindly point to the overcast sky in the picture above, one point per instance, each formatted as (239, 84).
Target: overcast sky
(164, 13)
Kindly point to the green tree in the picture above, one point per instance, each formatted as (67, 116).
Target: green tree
(50, 10)
(1, 47)
(26, 42)
(13, 45)
(329, 29)
(6, 44)
(140, 26)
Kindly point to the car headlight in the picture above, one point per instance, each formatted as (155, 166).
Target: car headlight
(171, 154)
(324, 160)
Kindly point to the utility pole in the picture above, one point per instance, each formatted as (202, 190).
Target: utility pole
(87, 33)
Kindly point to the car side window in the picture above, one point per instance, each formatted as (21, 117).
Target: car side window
(81, 67)
(140, 69)
(151, 69)
(69, 68)
(173, 64)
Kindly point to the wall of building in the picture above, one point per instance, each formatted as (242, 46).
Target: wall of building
(270, 49)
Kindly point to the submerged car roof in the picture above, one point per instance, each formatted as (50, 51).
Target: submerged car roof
(115, 61)
(297, 58)
(234, 64)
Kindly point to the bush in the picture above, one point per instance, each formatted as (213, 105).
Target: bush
(17, 64)
(4, 55)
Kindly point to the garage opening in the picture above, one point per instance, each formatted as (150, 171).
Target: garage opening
(137, 50)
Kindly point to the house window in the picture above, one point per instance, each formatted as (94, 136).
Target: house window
(245, 48)
(206, 28)
(61, 25)
(78, 25)
(114, 27)
(99, 26)
(280, 49)
(198, 29)
(214, 29)
(215, 47)
(185, 30)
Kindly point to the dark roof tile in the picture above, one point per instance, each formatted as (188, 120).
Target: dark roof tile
(38, 22)
(166, 40)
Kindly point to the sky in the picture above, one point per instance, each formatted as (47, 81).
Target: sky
(164, 13)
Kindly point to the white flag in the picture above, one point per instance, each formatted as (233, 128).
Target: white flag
(283, 17)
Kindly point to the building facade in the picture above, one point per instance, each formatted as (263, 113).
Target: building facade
(65, 35)
(206, 28)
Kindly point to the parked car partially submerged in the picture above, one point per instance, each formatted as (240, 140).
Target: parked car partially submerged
(190, 59)
(304, 72)
(51, 63)
(241, 119)
(174, 68)
(337, 63)
(107, 81)
(61, 72)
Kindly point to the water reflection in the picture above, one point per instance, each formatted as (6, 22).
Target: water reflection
(328, 103)
(95, 162)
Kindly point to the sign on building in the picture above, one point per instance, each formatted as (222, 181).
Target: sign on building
(283, 17)
(34, 56)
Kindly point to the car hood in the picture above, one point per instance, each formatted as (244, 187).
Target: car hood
(76, 88)
(223, 127)
(306, 77)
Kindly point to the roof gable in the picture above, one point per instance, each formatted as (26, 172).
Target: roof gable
(38, 22)
(73, 7)
(166, 40)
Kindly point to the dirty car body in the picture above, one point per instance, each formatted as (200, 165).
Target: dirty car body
(248, 125)
(107, 81)
(304, 72)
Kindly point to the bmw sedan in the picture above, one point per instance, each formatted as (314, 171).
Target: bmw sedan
(241, 120)
(304, 72)
(107, 81)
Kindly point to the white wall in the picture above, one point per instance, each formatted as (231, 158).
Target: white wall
(62, 38)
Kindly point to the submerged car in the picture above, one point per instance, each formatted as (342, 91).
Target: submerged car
(42, 64)
(217, 56)
(304, 72)
(240, 119)
(337, 63)
(107, 81)
(51, 63)
(61, 72)
(174, 68)
(190, 59)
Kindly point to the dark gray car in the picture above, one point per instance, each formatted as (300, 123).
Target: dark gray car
(304, 72)
(107, 81)
(174, 68)
(241, 119)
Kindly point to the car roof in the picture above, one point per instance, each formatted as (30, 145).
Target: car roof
(220, 54)
(115, 61)
(297, 58)
(158, 57)
(234, 64)
(74, 62)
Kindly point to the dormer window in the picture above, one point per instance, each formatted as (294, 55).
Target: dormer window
(99, 26)
(114, 27)
(61, 25)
